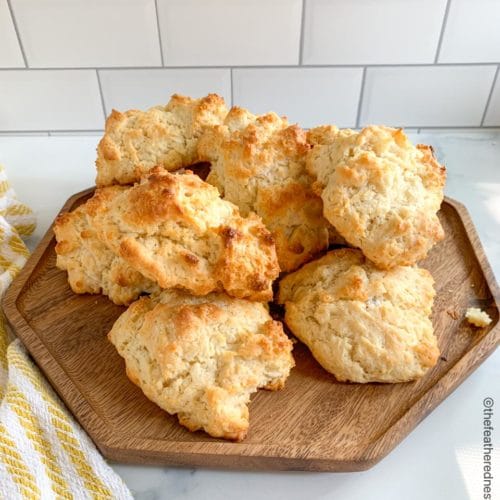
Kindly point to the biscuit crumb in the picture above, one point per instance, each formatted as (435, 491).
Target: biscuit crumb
(476, 317)
(452, 313)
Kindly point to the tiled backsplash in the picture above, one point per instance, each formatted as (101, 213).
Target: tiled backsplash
(64, 64)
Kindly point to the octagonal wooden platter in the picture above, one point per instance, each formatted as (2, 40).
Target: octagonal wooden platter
(315, 423)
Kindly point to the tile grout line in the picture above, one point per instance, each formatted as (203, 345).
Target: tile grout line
(159, 34)
(441, 34)
(101, 93)
(231, 81)
(78, 130)
(450, 127)
(254, 66)
(14, 22)
(8, 133)
(302, 29)
(361, 94)
(490, 95)
(44, 133)
(66, 133)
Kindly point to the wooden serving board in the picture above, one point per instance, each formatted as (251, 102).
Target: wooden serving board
(315, 423)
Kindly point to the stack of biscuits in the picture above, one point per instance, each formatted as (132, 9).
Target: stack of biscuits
(339, 217)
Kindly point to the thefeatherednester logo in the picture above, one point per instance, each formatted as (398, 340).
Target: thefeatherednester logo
(487, 447)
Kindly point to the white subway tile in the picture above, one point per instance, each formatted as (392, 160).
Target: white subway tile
(88, 33)
(50, 100)
(421, 96)
(10, 53)
(143, 88)
(230, 32)
(309, 96)
(492, 117)
(372, 32)
(472, 32)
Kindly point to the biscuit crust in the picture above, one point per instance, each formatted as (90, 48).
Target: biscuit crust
(361, 323)
(177, 231)
(92, 267)
(380, 192)
(258, 163)
(136, 141)
(202, 357)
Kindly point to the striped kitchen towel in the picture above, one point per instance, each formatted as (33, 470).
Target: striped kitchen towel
(43, 452)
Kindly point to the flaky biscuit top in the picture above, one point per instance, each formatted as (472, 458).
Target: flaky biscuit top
(202, 357)
(362, 323)
(177, 231)
(136, 141)
(258, 163)
(93, 267)
(379, 191)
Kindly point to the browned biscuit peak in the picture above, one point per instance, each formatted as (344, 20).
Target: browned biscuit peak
(202, 357)
(178, 232)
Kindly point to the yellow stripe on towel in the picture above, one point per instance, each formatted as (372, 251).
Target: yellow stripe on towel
(16, 466)
(63, 428)
(17, 245)
(21, 407)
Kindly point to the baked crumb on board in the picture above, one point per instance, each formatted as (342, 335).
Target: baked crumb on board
(477, 317)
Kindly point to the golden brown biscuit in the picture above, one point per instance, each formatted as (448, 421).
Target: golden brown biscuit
(380, 192)
(202, 357)
(258, 163)
(136, 141)
(92, 267)
(361, 323)
(322, 135)
(177, 231)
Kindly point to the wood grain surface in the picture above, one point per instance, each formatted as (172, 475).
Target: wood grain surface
(315, 423)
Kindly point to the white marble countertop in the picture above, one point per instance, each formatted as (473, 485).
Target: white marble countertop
(441, 458)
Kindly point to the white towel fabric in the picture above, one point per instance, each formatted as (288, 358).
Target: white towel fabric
(44, 453)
